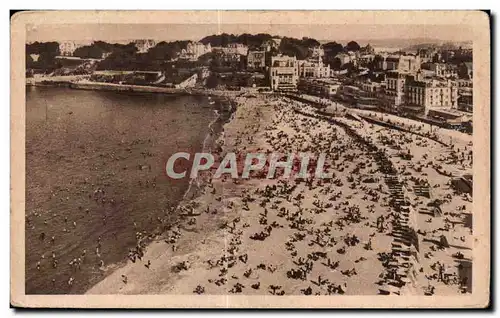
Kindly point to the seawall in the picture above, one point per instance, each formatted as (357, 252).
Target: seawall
(87, 85)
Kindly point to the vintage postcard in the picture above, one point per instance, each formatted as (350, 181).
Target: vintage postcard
(248, 159)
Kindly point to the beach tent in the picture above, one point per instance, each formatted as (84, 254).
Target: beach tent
(443, 241)
(436, 211)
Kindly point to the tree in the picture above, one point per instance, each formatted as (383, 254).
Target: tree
(331, 50)
(253, 41)
(296, 47)
(47, 52)
(206, 59)
(219, 40)
(352, 46)
(250, 40)
(333, 47)
(167, 50)
(336, 64)
(89, 51)
(126, 57)
(98, 48)
(48, 49)
(30, 63)
(310, 42)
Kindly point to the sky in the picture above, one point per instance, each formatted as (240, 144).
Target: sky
(171, 32)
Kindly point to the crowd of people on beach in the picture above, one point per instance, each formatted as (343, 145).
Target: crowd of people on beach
(365, 230)
(359, 232)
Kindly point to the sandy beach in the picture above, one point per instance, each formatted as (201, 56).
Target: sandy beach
(375, 227)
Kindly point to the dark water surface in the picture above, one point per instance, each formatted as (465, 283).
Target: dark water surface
(81, 142)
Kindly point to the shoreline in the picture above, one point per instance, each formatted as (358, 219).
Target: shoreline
(198, 191)
(194, 188)
(209, 143)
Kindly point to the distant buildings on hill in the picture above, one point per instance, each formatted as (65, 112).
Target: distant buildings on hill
(422, 82)
(67, 48)
(194, 50)
(400, 62)
(233, 48)
(256, 60)
(428, 78)
(144, 45)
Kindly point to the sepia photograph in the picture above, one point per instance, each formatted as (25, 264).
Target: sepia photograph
(248, 159)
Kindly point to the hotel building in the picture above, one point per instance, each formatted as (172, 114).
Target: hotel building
(283, 73)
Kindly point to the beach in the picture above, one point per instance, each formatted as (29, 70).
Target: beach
(374, 227)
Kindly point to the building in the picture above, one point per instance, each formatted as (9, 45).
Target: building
(283, 73)
(344, 58)
(256, 60)
(324, 87)
(277, 40)
(394, 92)
(370, 88)
(105, 54)
(444, 70)
(390, 63)
(401, 63)
(313, 68)
(409, 63)
(237, 48)
(427, 54)
(465, 95)
(353, 56)
(231, 60)
(368, 95)
(232, 48)
(465, 101)
(316, 52)
(144, 45)
(337, 73)
(267, 45)
(35, 57)
(348, 93)
(427, 94)
(367, 50)
(67, 48)
(464, 83)
(194, 50)
(366, 59)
